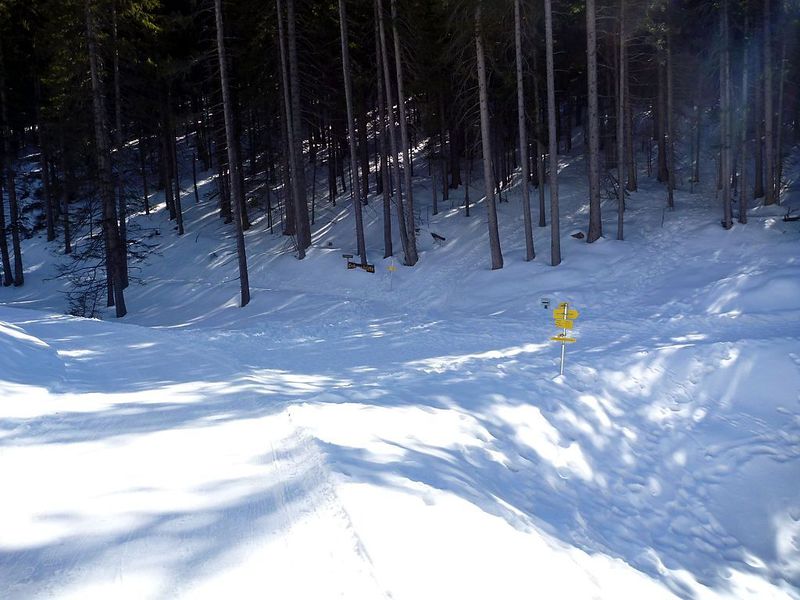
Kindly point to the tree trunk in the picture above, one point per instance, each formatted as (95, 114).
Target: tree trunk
(173, 153)
(523, 136)
(469, 179)
(408, 258)
(8, 278)
(220, 152)
(143, 167)
(743, 198)
(208, 124)
(486, 146)
(622, 79)
(432, 172)
(167, 164)
(293, 215)
(595, 223)
(555, 225)
(386, 186)
(769, 150)
(697, 133)
(300, 200)
(456, 136)
(114, 253)
(286, 207)
(725, 121)
(670, 123)
(351, 131)
(251, 144)
(233, 159)
(779, 122)
(66, 190)
(412, 256)
(442, 147)
(331, 145)
(540, 151)
(240, 171)
(363, 151)
(663, 174)
(49, 208)
(632, 183)
(13, 209)
(122, 209)
(341, 152)
(10, 174)
(758, 154)
(194, 178)
(313, 159)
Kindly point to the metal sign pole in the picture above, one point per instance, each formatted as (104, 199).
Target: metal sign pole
(391, 268)
(564, 344)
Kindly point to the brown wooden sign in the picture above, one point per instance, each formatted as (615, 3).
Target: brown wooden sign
(354, 265)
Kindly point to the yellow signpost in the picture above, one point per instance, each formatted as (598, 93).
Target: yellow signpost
(569, 313)
(563, 338)
(564, 317)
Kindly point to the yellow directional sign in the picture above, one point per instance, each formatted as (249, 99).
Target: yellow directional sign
(564, 316)
(571, 313)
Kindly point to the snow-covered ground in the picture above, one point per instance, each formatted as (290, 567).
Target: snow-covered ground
(404, 434)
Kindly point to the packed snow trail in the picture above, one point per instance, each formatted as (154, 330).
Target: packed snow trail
(144, 480)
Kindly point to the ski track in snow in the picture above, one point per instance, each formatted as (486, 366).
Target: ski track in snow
(365, 442)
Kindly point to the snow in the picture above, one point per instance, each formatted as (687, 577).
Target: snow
(404, 434)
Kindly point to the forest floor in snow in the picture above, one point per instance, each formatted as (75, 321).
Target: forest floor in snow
(404, 434)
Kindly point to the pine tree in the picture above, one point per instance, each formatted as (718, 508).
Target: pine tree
(769, 149)
(348, 91)
(555, 225)
(494, 235)
(523, 135)
(113, 251)
(300, 199)
(233, 158)
(409, 255)
(11, 186)
(595, 222)
(411, 251)
(725, 119)
(743, 197)
(621, 86)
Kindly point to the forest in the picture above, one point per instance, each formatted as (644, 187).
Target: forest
(400, 299)
(113, 101)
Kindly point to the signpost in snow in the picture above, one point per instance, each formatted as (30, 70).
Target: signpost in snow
(564, 317)
(362, 265)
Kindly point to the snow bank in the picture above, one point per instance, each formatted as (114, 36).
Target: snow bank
(27, 359)
(756, 293)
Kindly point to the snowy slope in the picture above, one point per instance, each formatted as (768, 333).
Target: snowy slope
(403, 434)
